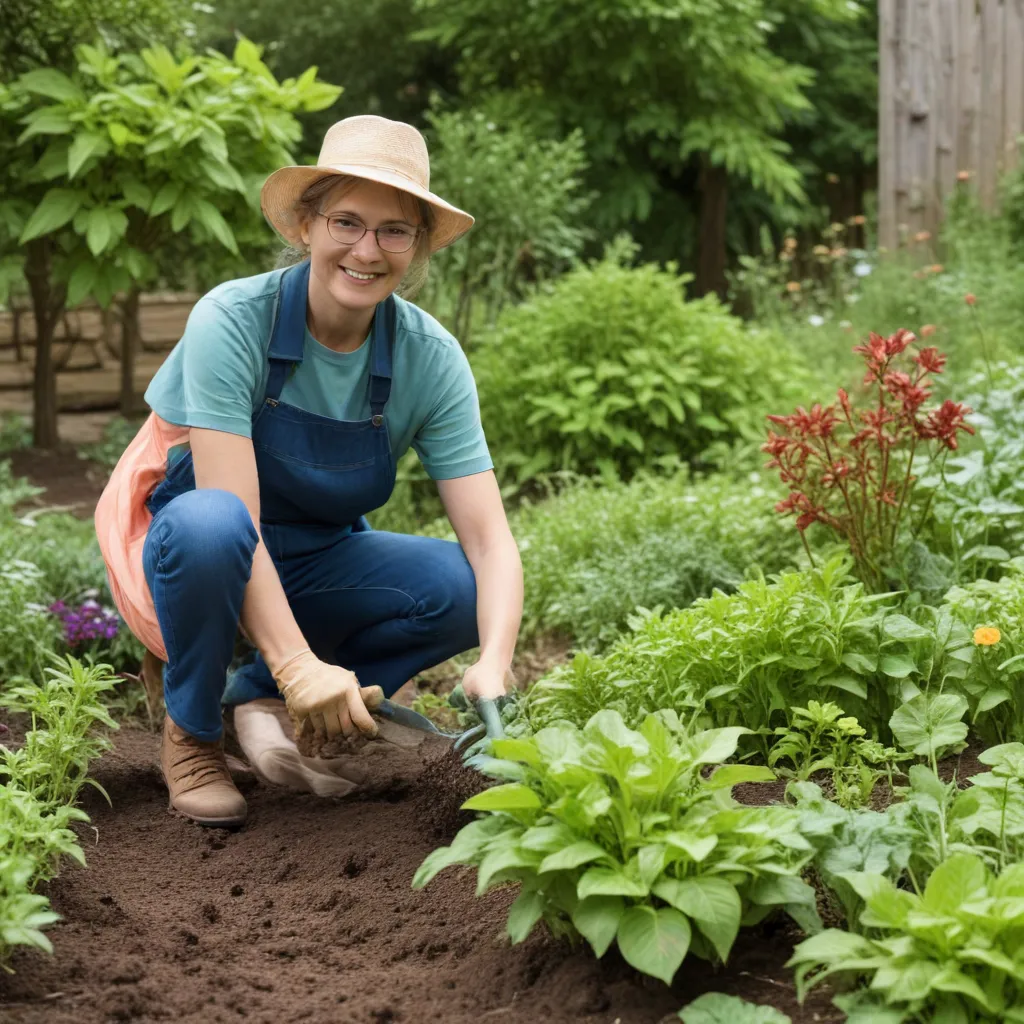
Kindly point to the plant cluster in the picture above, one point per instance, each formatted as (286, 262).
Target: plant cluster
(851, 465)
(610, 370)
(619, 836)
(41, 781)
(89, 621)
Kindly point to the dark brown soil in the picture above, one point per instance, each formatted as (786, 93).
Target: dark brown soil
(307, 914)
(70, 481)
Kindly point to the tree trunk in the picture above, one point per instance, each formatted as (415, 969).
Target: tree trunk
(130, 344)
(711, 256)
(48, 307)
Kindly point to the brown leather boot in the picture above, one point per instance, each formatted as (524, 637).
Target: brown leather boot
(198, 779)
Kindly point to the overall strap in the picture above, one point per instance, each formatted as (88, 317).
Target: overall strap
(289, 334)
(382, 340)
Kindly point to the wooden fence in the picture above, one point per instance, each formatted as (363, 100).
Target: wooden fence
(951, 105)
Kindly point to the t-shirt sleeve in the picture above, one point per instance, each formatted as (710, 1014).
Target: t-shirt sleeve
(219, 367)
(451, 441)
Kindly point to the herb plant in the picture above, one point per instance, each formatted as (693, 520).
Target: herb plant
(616, 834)
(716, 1008)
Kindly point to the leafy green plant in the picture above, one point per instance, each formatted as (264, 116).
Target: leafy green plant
(491, 165)
(610, 370)
(716, 1008)
(617, 835)
(822, 738)
(950, 953)
(592, 554)
(994, 610)
(748, 657)
(929, 725)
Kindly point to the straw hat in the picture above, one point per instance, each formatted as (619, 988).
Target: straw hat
(369, 147)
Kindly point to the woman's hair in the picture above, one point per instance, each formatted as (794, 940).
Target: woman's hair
(315, 199)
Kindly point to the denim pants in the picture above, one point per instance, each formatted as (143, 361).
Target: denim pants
(384, 605)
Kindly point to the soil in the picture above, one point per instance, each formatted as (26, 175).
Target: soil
(71, 482)
(307, 914)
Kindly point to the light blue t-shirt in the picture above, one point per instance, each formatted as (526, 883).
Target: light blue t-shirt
(216, 377)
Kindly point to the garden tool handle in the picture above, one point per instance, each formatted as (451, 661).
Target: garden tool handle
(487, 709)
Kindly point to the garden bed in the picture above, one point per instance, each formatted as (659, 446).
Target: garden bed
(307, 914)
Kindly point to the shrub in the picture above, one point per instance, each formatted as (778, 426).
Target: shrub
(593, 554)
(611, 370)
(617, 835)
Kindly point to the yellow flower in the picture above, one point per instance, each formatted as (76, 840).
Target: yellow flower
(985, 636)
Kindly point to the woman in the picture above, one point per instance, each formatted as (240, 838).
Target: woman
(277, 423)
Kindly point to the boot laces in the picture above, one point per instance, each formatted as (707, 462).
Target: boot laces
(199, 764)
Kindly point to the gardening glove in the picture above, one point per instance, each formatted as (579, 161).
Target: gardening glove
(328, 696)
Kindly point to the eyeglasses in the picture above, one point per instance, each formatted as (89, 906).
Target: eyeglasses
(391, 237)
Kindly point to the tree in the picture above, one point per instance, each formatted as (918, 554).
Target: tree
(126, 155)
(670, 94)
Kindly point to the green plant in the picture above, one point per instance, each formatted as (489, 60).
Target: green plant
(610, 370)
(617, 835)
(930, 725)
(14, 432)
(822, 738)
(117, 435)
(747, 658)
(525, 232)
(949, 954)
(715, 1008)
(853, 470)
(593, 553)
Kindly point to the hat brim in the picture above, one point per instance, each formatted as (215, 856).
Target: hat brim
(283, 189)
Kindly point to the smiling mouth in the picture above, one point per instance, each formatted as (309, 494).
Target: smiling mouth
(359, 276)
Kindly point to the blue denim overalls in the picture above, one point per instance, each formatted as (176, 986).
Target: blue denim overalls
(384, 605)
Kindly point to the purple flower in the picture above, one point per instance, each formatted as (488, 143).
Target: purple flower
(89, 622)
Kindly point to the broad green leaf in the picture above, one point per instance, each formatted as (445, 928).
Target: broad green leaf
(844, 681)
(137, 194)
(165, 198)
(730, 775)
(929, 723)
(897, 666)
(597, 920)
(523, 751)
(609, 882)
(654, 941)
(712, 902)
(992, 699)
(51, 83)
(713, 746)
(956, 881)
(85, 146)
(435, 863)
(510, 797)
(104, 226)
(58, 206)
(716, 1008)
(209, 216)
(582, 852)
(501, 859)
(81, 281)
(524, 914)
(608, 725)
(899, 627)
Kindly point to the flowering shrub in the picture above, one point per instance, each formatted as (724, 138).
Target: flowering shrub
(90, 621)
(851, 467)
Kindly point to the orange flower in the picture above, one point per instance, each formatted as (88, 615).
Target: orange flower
(858, 220)
(793, 286)
(986, 636)
(970, 299)
(963, 175)
(922, 236)
(927, 330)
(936, 268)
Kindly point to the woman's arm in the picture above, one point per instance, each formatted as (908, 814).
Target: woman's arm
(474, 508)
(227, 462)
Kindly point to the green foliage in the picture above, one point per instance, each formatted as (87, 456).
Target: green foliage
(41, 780)
(14, 432)
(719, 93)
(134, 149)
(617, 835)
(592, 554)
(747, 658)
(715, 1008)
(950, 953)
(117, 435)
(525, 194)
(822, 739)
(995, 686)
(611, 370)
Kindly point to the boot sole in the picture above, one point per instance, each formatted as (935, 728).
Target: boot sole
(208, 822)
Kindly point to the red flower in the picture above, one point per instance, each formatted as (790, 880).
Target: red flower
(970, 299)
(896, 343)
(942, 424)
(931, 360)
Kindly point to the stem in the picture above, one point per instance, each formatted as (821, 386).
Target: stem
(903, 493)
(984, 346)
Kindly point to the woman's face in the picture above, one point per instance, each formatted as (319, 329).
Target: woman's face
(360, 275)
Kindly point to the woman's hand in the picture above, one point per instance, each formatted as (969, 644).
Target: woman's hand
(328, 695)
(484, 680)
